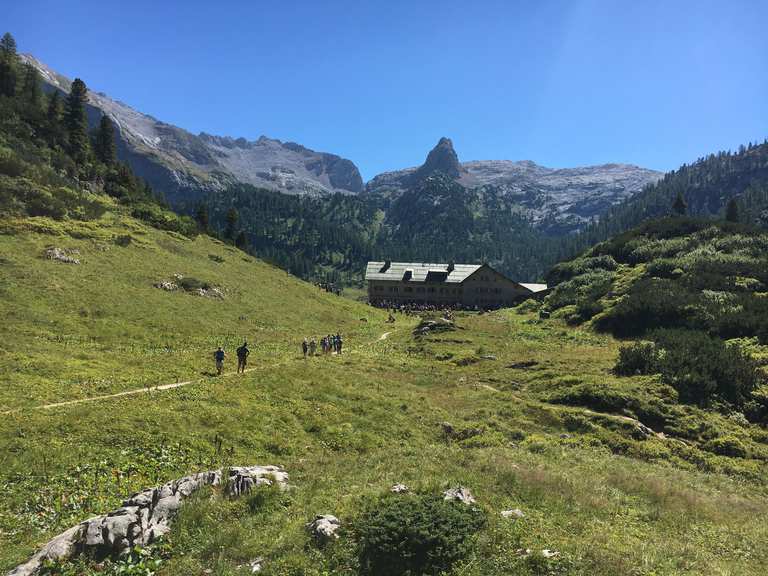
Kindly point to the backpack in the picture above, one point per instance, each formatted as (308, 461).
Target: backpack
(242, 352)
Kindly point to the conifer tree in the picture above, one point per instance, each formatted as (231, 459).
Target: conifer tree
(104, 144)
(202, 218)
(231, 220)
(30, 88)
(77, 122)
(241, 241)
(732, 211)
(679, 206)
(8, 45)
(8, 66)
(53, 119)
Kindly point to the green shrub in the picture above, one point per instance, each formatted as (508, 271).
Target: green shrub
(567, 270)
(590, 286)
(636, 358)
(191, 284)
(416, 534)
(727, 446)
(702, 368)
(650, 304)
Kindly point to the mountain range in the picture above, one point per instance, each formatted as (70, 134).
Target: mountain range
(185, 167)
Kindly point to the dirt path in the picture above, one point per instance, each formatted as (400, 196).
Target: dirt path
(147, 390)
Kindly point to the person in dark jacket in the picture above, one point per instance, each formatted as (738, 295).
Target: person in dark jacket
(242, 357)
(218, 356)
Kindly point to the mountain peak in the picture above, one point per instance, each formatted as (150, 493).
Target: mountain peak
(442, 158)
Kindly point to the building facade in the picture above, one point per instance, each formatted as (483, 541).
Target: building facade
(467, 285)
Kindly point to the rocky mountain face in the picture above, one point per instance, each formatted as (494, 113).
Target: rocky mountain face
(185, 166)
(554, 200)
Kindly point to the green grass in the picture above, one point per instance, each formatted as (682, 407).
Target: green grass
(346, 428)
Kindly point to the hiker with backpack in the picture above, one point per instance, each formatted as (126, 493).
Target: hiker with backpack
(338, 341)
(305, 348)
(218, 356)
(242, 357)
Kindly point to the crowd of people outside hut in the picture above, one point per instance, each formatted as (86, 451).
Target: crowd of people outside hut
(415, 308)
(330, 344)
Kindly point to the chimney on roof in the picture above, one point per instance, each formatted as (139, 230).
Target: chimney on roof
(451, 266)
(386, 266)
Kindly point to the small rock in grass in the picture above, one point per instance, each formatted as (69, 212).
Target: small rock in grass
(324, 528)
(549, 553)
(461, 494)
(514, 514)
(399, 489)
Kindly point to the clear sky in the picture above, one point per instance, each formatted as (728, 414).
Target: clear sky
(563, 83)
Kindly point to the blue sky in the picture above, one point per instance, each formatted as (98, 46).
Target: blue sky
(563, 83)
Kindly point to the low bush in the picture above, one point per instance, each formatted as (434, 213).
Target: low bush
(727, 446)
(650, 304)
(415, 534)
(191, 284)
(636, 358)
(703, 369)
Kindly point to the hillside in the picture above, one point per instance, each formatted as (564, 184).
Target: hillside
(186, 166)
(706, 186)
(536, 420)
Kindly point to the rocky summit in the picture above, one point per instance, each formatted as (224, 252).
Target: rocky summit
(555, 200)
(185, 166)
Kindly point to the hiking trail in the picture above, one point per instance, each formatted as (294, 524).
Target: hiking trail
(150, 389)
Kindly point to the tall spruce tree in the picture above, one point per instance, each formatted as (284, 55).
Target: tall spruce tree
(202, 218)
(732, 211)
(231, 221)
(104, 142)
(679, 206)
(53, 119)
(77, 122)
(30, 87)
(8, 66)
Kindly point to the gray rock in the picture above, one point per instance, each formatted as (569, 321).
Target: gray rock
(61, 255)
(514, 514)
(145, 516)
(324, 528)
(461, 494)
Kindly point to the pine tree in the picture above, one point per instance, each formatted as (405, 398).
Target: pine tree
(679, 206)
(202, 218)
(104, 142)
(53, 119)
(241, 241)
(8, 66)
(732, 211)
(77, 122)
(8, 45)
(30, 89)
(231, 220)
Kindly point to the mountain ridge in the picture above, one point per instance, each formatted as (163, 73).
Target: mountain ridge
(185, 166)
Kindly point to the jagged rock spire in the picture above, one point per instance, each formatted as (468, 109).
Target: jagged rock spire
(442, 158)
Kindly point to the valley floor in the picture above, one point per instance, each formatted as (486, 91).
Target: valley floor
(526, 401)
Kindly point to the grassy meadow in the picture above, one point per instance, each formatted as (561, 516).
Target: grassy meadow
(538, 420)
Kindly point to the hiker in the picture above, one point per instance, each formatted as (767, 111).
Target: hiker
(305, 348)
(324, 345)
(338, 343)
(242, 357)
(312, 346)
(219, 357)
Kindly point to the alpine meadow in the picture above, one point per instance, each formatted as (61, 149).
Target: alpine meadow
(227, 355)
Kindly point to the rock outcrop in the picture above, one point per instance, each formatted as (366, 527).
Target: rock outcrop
(62, 255)
(460, 494)
(145, 516)
(324, 528)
